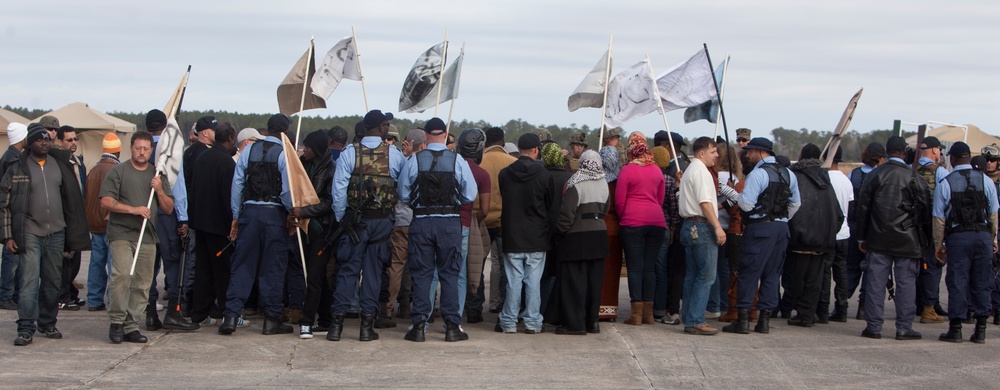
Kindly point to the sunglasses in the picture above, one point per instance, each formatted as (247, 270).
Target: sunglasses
(742, 140)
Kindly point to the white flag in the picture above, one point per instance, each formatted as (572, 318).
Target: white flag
(340, 63)
(630, 95)
(449, 87)
(688, 84)
(590, 92)
(423, 77)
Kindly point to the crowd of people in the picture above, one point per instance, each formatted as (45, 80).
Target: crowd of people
(404, 228)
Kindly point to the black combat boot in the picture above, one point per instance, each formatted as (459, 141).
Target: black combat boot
(861, 311)
(839, 313)
(763, 322)
(954, 334)
(453, 332)
(979, 336)
(152, 318)
(228, 325)
(116, 333)
(173, 320)
(336, 327)
(416, 332)
(368, 328)
(742, 323)
(996, 316)
(275, 326)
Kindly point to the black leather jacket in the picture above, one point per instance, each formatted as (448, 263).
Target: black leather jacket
(321, 174)
(887, 220)
(814, 226)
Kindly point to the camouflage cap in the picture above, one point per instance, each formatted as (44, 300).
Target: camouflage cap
(49, 121)
(743, 132)
(578, 138)
(543, 134)
(615, 132)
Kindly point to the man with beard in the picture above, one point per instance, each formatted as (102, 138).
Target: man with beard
(69, 297)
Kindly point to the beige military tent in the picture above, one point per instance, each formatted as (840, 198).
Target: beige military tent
(948, 135)
(91, 126)
(6, 117)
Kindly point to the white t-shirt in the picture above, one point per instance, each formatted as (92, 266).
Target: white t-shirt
(697, 187)
(845, 194)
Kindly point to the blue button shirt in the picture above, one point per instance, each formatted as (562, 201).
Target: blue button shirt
(345, 166)
(463, 175)
(757, 181)
(942, 195)
(179, 190)
(239, 177)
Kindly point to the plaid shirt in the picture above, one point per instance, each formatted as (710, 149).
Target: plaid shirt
(670, 213)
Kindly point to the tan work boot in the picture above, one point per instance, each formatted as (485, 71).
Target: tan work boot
(635, 316)
(647, 313)
(930, 316)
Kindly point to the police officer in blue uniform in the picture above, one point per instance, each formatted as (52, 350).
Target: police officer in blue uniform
(435, 182)
(770, 198)
(965, 232)
(364, 193)
(260, 202)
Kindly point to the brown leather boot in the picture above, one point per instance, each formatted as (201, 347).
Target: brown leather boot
(635, 316)
(929, 316)
(647, 313)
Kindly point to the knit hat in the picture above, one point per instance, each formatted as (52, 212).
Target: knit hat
(661, 157)
(111, 144)
(36, 132)
(528, 141)
(552, 156)
(16, 132)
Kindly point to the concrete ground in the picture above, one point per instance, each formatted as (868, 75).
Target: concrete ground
(621, 356)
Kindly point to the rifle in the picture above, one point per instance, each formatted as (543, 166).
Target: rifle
(352, 220)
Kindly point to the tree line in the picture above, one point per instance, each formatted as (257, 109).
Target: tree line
(787, 142)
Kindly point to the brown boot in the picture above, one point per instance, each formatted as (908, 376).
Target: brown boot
(647, 313)
(930, 316)
(635, 316)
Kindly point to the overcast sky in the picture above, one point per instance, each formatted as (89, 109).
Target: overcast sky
(794, 64)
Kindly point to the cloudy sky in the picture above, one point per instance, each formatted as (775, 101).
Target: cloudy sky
(794, 64)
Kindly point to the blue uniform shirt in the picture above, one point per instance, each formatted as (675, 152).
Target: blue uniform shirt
(463, 175)
(179, 190)
(939, 174)
(942, 195)
(757, 181)
(239, 177)
(345, 166)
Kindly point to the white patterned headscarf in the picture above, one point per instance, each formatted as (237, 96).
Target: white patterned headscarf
(591, 168)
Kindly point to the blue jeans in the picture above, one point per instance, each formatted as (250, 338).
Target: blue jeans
(702, 259)
(99, 269)
(641, 244)
(41, 280)
(718, 301)
(523, 270)
(463, 277)
(10, 276)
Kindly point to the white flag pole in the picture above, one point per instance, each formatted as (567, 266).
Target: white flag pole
(357, 56)
(659, 104)
(451, 109)
(298, 129)
(145, 221)
(604, 105)
(298, 231)
(444, 58)
(722, 91)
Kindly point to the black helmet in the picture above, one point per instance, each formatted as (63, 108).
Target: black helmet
(471, 143)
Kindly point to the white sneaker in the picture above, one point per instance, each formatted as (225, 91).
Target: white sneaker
(242, 323)
(305, 333)
(712, 315)
(159, 306)
(209, 321)
(671, 319)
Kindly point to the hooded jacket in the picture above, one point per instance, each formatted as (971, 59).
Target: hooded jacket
(528, 191)
(814, 227)
(14, 190)
(887, 220)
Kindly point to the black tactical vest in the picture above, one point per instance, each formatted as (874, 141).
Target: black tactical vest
(263, 180)
(772, 203)
(435, 191)
(967, 210)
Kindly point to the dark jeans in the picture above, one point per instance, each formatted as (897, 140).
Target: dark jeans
(641, 244)
(10, 276)
(41, 277)
(857, 269)
(70, 269)
(318, 293)
(835, 268)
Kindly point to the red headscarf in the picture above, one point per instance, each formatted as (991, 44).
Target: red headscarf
(638, 151)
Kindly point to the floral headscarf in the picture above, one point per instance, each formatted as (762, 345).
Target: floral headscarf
(590, 169)
(637, 150)
(552, 156)
(611, 161)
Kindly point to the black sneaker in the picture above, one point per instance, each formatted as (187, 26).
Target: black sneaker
(909, 335)
(51, 333)
(100, 307)
(69, 306)
(22, 339)
(871, 335)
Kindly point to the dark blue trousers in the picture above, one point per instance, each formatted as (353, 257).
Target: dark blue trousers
(168, 253)
(365, 260)
(761, 260)
(970, 273)
(262, 252)
(435, 243)
(929, 280)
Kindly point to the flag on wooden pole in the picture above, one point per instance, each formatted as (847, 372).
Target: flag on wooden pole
(687, 84)
(631, 94)
(590, 92)
(423, 77)
(302, 191)
(340, 63)
(449, 87)
(290, 93)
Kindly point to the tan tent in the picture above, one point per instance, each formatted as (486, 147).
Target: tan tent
(6, 117)
(951, 134)
(91, 126)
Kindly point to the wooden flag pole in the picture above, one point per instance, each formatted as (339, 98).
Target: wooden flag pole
(722, 110)
(298, 231)
(444, 59)
(357, 54)
(298, 129)
(722, 90)
(604, 100)
(659, 104)
(305, 87)
(451, 109)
